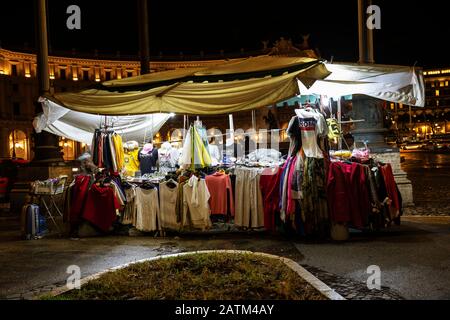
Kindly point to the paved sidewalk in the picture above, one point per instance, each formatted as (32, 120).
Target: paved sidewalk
(414, 259)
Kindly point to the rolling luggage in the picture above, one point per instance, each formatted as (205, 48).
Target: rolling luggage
(34, 224)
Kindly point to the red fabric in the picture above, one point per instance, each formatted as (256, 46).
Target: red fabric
(361, 197)
(79, 193)
(219, 186)
(347, 193)
(270, 189)
(100, 208)
(391, 188)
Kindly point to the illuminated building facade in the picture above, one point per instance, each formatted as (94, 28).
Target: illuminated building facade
(431, 121)
(18, 92)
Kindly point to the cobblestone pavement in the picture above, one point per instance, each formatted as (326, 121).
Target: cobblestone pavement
(353, 290)
(427, 211)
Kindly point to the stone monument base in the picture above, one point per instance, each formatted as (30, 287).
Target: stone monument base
(404, 184)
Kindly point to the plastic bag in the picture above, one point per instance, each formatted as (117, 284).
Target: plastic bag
(362, 154)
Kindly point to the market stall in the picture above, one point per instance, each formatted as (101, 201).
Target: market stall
(301, 192)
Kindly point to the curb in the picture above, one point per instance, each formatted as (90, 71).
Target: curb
(331, 294)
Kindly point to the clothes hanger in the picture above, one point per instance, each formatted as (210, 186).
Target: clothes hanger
(147, 185)
(171, 183)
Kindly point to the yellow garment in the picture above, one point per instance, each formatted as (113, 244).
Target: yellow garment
(201, 155)
(131, 162)
(118, 145)
(333, 129)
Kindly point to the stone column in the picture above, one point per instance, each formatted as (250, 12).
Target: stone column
(144, 44)
(46, 147)
(371, 110)
(365, 34)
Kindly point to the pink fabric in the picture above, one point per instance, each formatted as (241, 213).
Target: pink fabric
(290, 202)
(148, 147)
(219, 186)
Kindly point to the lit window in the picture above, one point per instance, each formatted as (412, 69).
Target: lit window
(18, 144)
(442, 83)
(432, 85)
(437, 93)
(437, 103)
(68, 147)
(392, 106)
(446, 83)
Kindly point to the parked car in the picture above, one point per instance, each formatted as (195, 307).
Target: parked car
(412, 146)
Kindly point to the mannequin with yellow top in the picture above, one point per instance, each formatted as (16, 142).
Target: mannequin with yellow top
(131, 158)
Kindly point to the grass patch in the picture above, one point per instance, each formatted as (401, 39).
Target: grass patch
(206, 276)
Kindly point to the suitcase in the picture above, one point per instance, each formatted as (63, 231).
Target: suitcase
(34, 224)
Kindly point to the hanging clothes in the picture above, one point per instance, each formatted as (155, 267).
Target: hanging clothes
(249, 211)
(113, 156)
(348, 194)
(79, 193)
(118, 147)
(270, 184)
(290, 203)
(94, 146)
(168, 195)
(314, 204)
(107, 150)
(147, 210)
(182, 180)
(195, 153)
(100, 208)
(196, 213)
(295, 136)
(391, 188)
(129, 213)
(219, 186)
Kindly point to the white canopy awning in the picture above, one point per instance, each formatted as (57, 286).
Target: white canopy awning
(79, 126)
(397, 84)
(390, 83)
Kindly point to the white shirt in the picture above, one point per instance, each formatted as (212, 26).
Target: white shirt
(312, 125)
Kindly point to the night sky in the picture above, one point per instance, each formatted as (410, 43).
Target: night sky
(411, 32)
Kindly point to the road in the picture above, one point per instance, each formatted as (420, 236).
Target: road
(430, 176)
